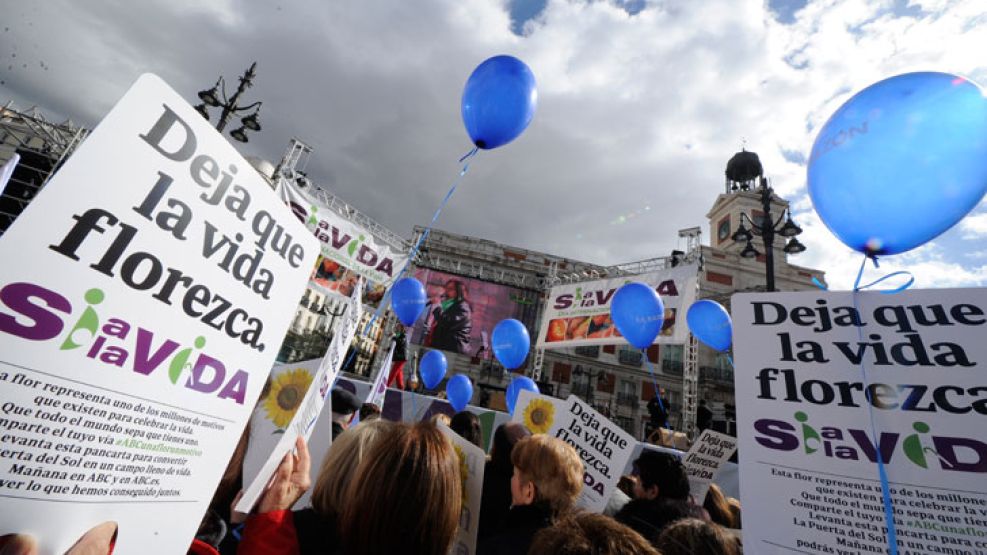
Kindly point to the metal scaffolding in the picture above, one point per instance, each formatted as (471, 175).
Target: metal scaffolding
(42, 146)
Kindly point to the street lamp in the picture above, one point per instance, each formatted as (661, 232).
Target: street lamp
(211, 97)
(767, 230)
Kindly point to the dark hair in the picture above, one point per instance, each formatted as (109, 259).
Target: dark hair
(505, 438)
(409, 481)
(585, 533)
(467, 425)
(718, 508)
(664, 470)
(461, 292)
(368, 410)
(692, 536)
(649, 517)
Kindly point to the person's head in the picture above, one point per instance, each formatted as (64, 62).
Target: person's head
(369, 411)
(341, 461)
(439, 417)
(590, 534)
(344, 404)
(702, 402)
(467, 425)
(693, 536)
(409, 481)
(546, 470)
(626, 485)
(660, 475)
(505, 438)
(718, 508)
(455, 289)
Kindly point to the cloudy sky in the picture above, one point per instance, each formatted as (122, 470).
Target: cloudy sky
(641, 102)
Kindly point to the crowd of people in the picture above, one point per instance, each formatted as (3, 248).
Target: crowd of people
(391, 487)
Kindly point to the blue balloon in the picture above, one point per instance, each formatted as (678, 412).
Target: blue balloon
(514, 388)
(432, 368)
(638, 313)
(459, 391)
(510, 343)
(408, 299)
(711, 324)
(901, 162)
(499, 101)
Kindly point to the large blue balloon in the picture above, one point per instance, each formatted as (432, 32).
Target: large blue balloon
(638, 313)
(901, 161)
(433, 368)
(499, 101)
(459, 391)
(408, 299)
(711, 324)
(510, 343)
(514, 388)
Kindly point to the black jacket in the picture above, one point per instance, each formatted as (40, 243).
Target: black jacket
(400, 347)
(452, 328)
(649, 517)
(520, 527)
(317, 534)
(496, 499)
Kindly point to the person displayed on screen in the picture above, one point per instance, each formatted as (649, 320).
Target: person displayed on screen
(452, 320)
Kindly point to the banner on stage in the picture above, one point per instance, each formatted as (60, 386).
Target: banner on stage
(349, 250)
(602, 445)
(704, 459)
(811, 370)
(143, 298)
(578, 314)
(471, 466)
(306, 417)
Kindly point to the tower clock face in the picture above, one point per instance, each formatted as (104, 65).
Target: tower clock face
(724, 230)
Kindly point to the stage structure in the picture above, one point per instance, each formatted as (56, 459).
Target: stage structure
(42, 146)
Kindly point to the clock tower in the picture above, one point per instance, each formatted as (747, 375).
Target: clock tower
(736, 263)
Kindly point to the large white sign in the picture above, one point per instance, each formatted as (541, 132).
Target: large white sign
(143, 297)
(579, 313)
(344, 242)
(812, 370)
(471, 467)
(602, 445)
(306, 415)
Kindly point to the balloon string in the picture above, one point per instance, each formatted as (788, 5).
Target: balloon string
(654, 380)
(881, 469)
(385, 301)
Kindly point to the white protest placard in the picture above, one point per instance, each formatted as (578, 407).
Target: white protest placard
(379, 388)
(704, 460)
(602, 445)
(471, 465)
(143, 297)
(308, 414)
(809, 474)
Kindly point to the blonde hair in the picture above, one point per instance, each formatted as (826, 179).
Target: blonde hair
(340, 463)
(553, 466)
(440, 417)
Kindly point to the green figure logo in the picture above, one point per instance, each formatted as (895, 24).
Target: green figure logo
(312, 220)
(351, 248)
(89, 320)
(808, 432)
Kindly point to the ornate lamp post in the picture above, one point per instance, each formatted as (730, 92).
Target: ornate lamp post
(230, 106)
(767, 230)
